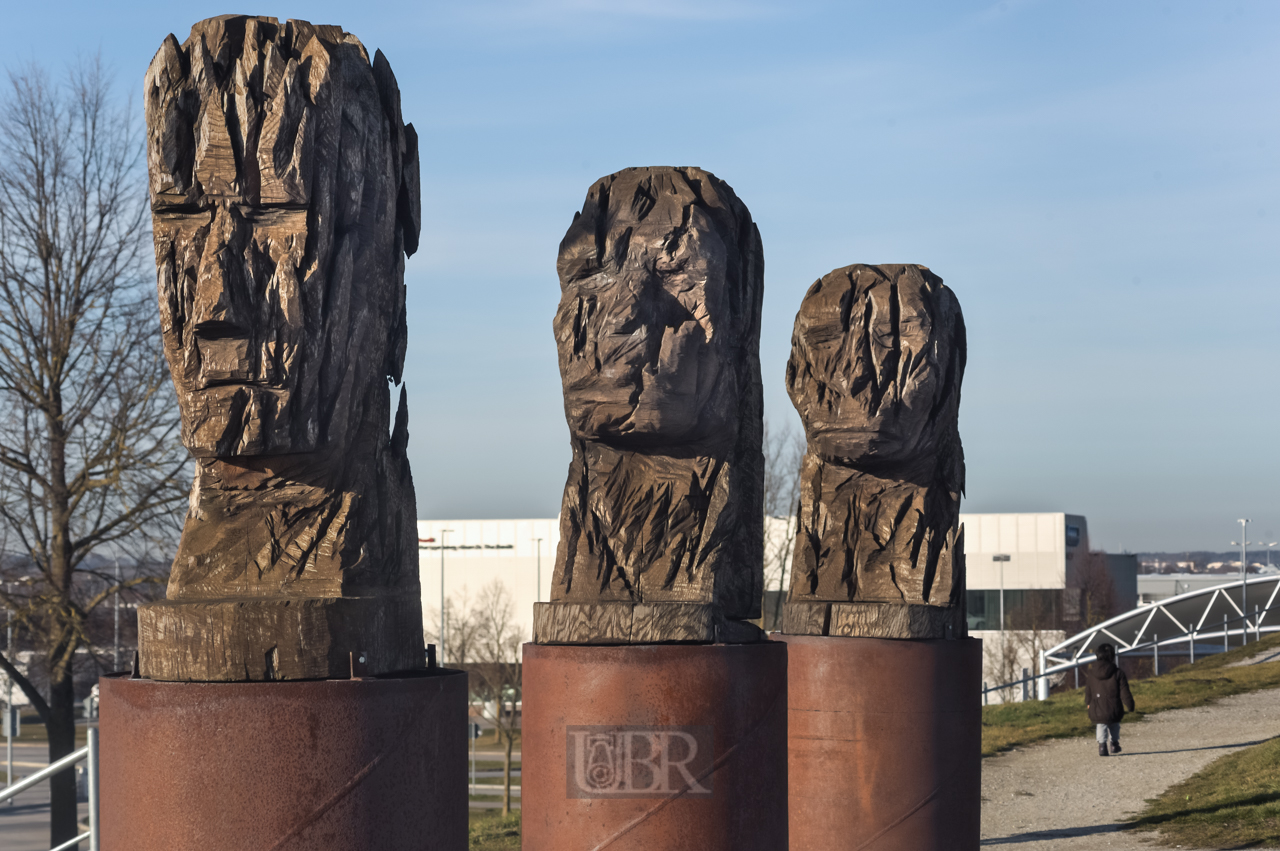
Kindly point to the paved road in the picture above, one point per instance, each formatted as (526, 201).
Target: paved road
(25, 825)
(1062, 796)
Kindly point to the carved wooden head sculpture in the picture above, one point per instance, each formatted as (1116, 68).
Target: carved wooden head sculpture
(658, 334)
(284, 192)
(284, 197)
(877, 358)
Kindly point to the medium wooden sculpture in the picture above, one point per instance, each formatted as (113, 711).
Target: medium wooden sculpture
(658, 330)
(877, 357)
(284, 193)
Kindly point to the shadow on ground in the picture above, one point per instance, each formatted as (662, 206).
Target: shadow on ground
(1189, 750)
(1060, 833)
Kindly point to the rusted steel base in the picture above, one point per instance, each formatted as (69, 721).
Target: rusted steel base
(885, 744)
(326, 765)
(654, 748)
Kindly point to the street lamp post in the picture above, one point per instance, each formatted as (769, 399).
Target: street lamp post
(443, 532)
(115, 654)
(1244, 578)
(1001, 559)
(538, 594)
(8, 697)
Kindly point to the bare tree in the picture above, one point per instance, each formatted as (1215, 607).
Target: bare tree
(783, 450)
(1032, 624)
(461, 623)
(88, 430)
(495, 673)
(1091, 592)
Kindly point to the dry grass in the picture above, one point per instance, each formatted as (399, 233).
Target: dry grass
(494, 832)
(1233, 803)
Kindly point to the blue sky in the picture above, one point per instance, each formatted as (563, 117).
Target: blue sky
(1097, 182)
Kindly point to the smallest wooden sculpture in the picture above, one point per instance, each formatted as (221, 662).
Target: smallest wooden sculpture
(877, 357)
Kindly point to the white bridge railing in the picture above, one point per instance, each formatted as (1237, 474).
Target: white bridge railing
(1186, 624)
(90, 753)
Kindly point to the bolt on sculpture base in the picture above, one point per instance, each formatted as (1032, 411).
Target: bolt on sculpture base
(655, 747)
(884, 744)
(330, 765)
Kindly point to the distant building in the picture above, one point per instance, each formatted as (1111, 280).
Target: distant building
(1152, 588)
(1040, 578)
(1042, 563)
(477, 552)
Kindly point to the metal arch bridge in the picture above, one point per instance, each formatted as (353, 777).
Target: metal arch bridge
(1199, 622)
(1203, 621)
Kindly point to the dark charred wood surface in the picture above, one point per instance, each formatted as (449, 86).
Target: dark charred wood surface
(877, 360)
(284, 194)
(623, 623)
(658, 332)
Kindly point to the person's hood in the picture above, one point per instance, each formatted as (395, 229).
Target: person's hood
(1104, 670)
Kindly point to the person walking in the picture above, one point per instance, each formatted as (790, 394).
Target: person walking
(1107, 696)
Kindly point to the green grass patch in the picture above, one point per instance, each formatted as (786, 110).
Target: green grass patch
(1233, 803)
(1063, 715)
(494, 832)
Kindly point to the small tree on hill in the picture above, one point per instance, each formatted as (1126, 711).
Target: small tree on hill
(1095, 590)
(495, 671)
(783, 451)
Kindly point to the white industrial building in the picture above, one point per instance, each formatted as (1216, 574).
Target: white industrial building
(521, 555)
(1031, 556)
(1016, 572)
(518, 553)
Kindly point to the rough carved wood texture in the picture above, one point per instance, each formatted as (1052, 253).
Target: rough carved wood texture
(284, 193)
(658, 332)
(877, 359)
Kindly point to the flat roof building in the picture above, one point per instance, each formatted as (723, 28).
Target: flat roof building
(477, 553)
(1043, 552)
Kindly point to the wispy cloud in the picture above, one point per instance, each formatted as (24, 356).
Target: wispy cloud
(559, 13)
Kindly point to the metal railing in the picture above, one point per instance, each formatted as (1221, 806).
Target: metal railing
(90, 753)
(1040, 681)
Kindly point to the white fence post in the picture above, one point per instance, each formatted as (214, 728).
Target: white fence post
(92, 768)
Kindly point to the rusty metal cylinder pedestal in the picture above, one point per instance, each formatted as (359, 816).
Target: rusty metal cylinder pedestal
(654, 748)
(885, 744)
(323, 765)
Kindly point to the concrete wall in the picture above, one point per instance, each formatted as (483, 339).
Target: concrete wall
(1038, 545)
(1005, 654)
(478, 552)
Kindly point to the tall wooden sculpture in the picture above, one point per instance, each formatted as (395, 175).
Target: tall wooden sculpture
(284, 190)
(287, 661)
(658, 331)
(647, 685)
(876, 606)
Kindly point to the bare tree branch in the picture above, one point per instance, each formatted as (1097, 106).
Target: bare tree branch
(89, 449)
(495, 674)
(783, 450)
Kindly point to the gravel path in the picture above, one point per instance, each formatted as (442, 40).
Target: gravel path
(1061, 795)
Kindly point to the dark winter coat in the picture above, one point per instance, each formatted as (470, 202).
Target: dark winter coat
(1106, 693)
